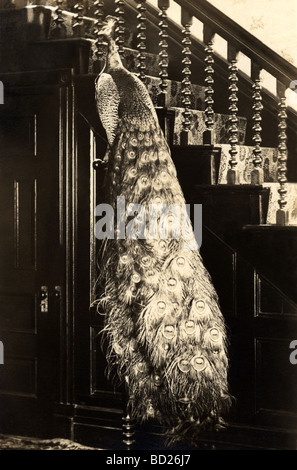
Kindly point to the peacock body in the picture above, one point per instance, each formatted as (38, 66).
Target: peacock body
(166, 334)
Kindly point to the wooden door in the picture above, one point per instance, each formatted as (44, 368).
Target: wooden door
(30, 257)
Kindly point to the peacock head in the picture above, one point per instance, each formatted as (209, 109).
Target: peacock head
(109, 26)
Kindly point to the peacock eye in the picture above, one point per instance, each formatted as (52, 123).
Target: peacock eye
(132, 172)
(180, 261)
(136, 278)
(150, 273)
(158, 200)
(199, 363)
(200, 305)
(134, 142)
(171, 283)
(146, 261)
(144, 180)
(140, 136)
(124, 259)
(161, 307)
(169, 331)
(184, 365)
(131, 154)
(214, 334)
(190, 327)
(170, 218)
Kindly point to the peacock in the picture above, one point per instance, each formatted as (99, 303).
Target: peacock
(166, 336)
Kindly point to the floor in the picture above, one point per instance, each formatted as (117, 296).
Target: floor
(8, 442)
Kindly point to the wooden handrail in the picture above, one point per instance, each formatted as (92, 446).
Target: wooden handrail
(238, 37)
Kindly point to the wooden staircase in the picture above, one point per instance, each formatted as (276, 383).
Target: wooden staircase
(212, 117)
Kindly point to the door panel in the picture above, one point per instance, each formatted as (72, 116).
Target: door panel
(29, 254)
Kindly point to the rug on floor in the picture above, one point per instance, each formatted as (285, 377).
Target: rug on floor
(8, 442)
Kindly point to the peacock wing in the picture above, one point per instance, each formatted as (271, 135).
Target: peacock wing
(108, 100)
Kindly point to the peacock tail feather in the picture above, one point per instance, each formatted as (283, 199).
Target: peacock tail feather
(165, 332)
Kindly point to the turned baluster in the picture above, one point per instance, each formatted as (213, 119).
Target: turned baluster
(120, 28)
(186, 21)
(99, 14)
(282, 214)
(141, 36)
(233, 175)
(257, 174)
(208, 135)
(78, 27)
(128, 426)
(128, 431)
(163, 54)
(59, 30)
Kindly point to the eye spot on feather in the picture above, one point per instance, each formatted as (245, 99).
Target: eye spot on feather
(184, 365)
(136, 278)
(146, 261)
(150, 273)
(132, 172)
(164, 176)
(124, 259)
(116, 168)
(140, 136)
(157, 380)
(200, 305)
(199, 363)
(148, 141)
(180, 262)
(144, 180)
(158, 200)
(131, 154)
(134, 142)
(161, 307)
(171, 283)
(169, 331)
(215, 335)
(189, 327)
(118, 157)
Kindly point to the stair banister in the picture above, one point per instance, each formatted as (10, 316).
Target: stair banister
(242, 40)
(233, 175)
(163, 54)
(141, 36)
(282, 214)
(208, 135)
(186, 21)
(257, 174)
(120, 28)
(99, 14)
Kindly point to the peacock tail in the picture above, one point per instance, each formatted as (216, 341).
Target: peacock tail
(165, 332)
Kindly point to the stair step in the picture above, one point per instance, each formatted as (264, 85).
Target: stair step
(198, 126)
(291, 205)
(245, 165)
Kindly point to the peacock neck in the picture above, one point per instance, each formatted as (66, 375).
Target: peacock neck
(113, 60)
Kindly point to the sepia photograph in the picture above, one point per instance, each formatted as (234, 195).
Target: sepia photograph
(148, 231)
